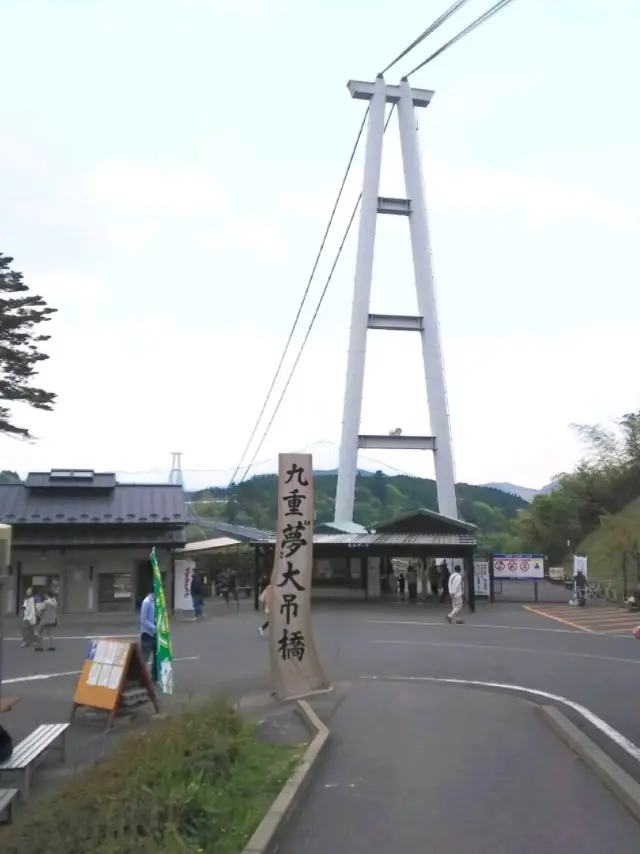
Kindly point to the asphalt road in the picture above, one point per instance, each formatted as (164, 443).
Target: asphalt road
(421, 767)
(503, 644)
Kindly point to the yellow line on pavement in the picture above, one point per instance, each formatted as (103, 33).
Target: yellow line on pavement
(553, 617)
(613, 618)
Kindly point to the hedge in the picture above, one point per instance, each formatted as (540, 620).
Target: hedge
(200, 782)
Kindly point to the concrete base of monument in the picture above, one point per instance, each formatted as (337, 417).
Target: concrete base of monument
(265, 837)
(315, 693)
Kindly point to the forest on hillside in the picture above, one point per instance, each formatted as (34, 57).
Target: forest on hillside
(590, 499)
(379, 498)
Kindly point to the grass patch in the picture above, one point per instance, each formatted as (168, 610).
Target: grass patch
(199, 783)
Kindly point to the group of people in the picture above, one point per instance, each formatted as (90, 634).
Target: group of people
(227, 586)
(39, 619)
(442, 583)
(408, 580)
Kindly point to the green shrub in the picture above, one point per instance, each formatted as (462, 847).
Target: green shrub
(200, 782)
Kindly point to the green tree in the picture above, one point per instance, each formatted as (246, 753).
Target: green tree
(378, 499)
(21, 314)
(379, 487)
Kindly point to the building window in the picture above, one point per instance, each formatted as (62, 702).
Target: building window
(115, 591)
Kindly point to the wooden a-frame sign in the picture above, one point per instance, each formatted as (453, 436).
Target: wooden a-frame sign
(110, 665)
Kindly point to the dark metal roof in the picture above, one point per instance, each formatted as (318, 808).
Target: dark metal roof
(412, 521)
(127, 503)
(340, 528)
(67, 479)
(374, 540)
(79, 536)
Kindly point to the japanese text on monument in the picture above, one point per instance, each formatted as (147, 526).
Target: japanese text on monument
(293, 538)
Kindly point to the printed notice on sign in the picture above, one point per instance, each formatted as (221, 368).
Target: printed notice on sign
(518, 567)
(94, 672)
(113, 682)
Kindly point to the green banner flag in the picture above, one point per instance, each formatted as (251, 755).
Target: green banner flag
(163, 633)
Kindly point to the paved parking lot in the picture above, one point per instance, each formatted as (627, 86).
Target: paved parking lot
(500, 645)
(599, 617)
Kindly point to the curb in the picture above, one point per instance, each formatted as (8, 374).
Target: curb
(281, 809)
(621, 784)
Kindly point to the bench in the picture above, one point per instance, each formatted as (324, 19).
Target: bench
(7, 797)
(30, 751)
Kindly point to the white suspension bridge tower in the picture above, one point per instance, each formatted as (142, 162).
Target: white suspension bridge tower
(405, 99)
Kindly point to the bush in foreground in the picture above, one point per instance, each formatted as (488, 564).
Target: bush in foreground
(200, 782)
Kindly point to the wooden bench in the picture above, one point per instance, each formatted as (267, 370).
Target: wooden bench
(28, 754)
(7, 797)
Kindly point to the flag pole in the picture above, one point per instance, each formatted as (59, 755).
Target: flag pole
(164, 648)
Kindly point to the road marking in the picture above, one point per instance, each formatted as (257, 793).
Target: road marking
(599, 616)
(617, 632)
(608, 621)
(83, 637)
(511, 649)
(444, 625)
(552, 617)
(617, 737)
(40, 676)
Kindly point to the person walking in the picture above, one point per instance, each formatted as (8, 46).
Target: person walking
(148, 635)
(456, 591)
(412, 583)
(47, 614)
(580, 583)
(265, 602)
(28, 618)
(434, 579)
(197, 598)
(232, 588)
(444, 581)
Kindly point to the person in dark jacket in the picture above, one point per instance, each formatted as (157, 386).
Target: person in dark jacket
(232, 588)
(197, 597)
(444, 581)
(581, 588)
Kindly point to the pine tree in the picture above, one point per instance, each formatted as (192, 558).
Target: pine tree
(20, 315)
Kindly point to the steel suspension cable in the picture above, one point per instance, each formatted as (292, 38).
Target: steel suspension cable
(481, 19)
(311, 323)
(304, 297)
(430, 29)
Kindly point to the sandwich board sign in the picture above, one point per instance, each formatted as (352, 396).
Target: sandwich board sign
(110, 666)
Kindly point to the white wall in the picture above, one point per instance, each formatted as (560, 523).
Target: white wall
(78, 571)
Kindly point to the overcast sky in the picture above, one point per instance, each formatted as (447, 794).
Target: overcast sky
(166, 172)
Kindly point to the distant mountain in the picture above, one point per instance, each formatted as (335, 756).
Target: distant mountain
(524, 492)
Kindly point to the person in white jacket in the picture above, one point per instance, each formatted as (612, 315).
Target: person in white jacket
(456, 590)
(28, 618)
